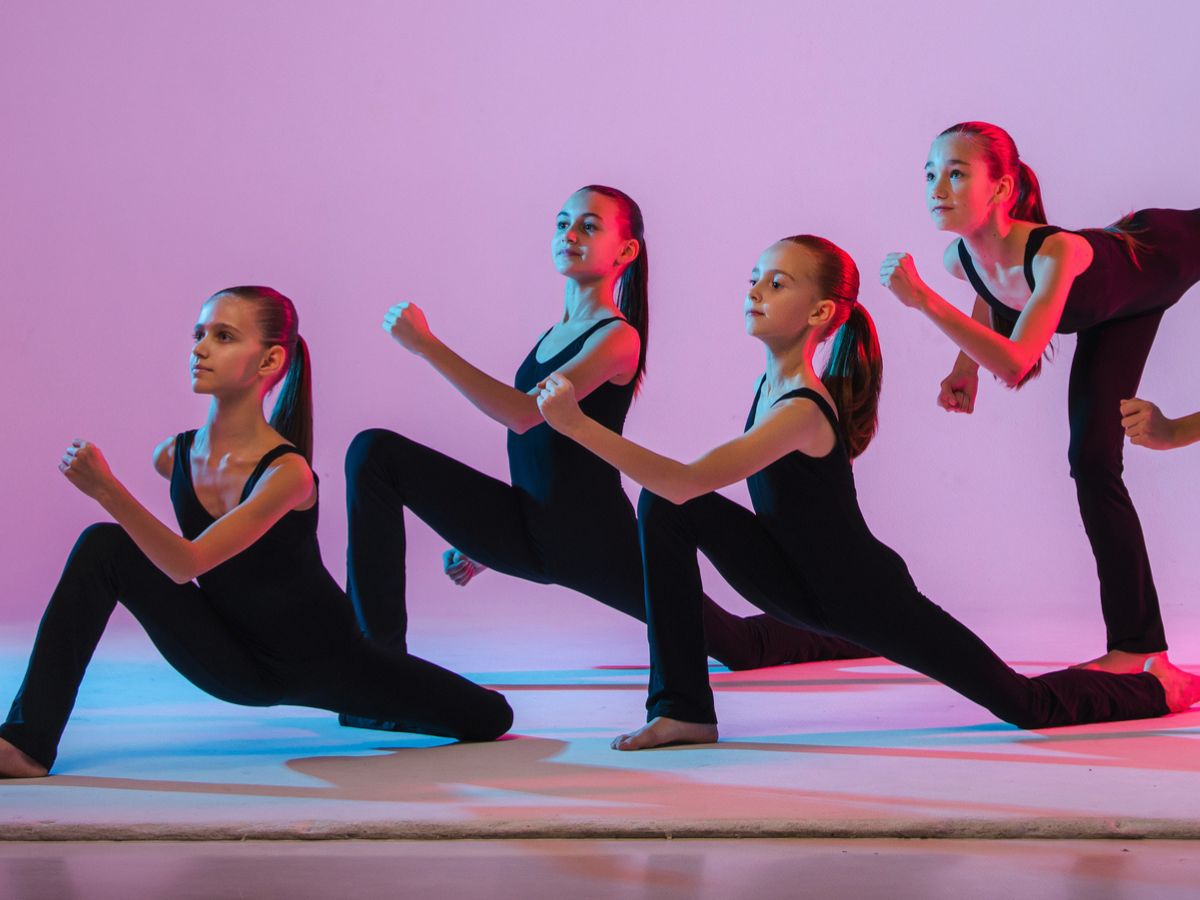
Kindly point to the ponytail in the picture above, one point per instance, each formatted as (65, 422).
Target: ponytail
(853, 376)
(854, 373)
(293, 413)
(633, 288)
(280, 324)
(634, 303)
(1028, 205)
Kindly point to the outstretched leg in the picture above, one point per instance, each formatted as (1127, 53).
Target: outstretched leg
(879, 608)
(106, 567)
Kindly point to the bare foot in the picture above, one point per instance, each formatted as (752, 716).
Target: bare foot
(16, 764)
(1182, 688)
(1122, 662)
(660, 731)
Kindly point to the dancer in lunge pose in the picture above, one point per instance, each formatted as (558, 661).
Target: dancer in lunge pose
(263, 623)
(1111, 285)
(564, 519)
(805, 553)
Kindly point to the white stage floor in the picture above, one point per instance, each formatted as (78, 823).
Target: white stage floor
(857, 748)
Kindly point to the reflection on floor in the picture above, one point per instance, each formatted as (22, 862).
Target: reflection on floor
(586, 869)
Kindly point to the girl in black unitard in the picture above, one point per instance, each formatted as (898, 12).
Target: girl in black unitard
(1109, 285)
(564, 519)
(264, 623)
(805, 554)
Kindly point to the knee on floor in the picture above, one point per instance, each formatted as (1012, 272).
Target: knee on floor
(496, 723)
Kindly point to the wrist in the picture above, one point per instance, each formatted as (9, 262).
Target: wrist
(429, 347)
(110, 494)
(1184, 431)
(925, 300)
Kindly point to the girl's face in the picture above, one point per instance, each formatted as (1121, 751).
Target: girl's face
(228, 353)
(783, 299)
(589, 238)
(959, 193)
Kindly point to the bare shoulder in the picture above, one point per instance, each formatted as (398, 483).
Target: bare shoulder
(805, 416)
(952, 261)
(618, 336)
(1065, 248)
(291, 471)
(164, 457)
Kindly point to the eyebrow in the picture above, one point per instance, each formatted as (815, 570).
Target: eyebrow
(952, 162)
(563, 213)
(215, 325)
(755, 271)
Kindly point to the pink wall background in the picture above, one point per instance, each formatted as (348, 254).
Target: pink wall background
(364, 152)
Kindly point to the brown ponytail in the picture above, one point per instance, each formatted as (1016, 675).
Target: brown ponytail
(279, 322)
(853, 374)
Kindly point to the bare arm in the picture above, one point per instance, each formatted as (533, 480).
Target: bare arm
(795, 424)
(1009, 359)
(608, 355)
(286, 484)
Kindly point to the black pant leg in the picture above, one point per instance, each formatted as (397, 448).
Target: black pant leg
(908, 628)
(733, 538)
(479, 515)
(1107, 368)
(881, 611)
(105, 567)
(606, 564)
(376, 682)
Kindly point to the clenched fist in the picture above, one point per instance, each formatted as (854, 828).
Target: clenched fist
(1146, 426)
(557, 404)
(898, 274)
(407, 325)
(86, 468)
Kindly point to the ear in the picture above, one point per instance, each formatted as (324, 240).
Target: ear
(629, 252)
(822, 313)
(1006, 190)
(271, 364)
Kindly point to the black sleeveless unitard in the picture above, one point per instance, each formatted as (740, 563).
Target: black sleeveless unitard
(1115, 306)
(267, 626)
(807, 556)
(565, 520)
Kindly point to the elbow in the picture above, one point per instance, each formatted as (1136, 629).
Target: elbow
(185, 570)
(681, 491)
(522, 425)
(1015, 371)
(676, 496)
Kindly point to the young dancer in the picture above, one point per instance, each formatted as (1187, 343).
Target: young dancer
(266, 624)
(805, 553)
(564, 519)
(1146, 426)
(1110, 285)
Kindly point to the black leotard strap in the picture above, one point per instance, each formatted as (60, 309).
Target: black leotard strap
(1033, 244)
(269, 457)
(822, 404)
(968, 265)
